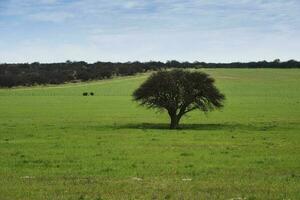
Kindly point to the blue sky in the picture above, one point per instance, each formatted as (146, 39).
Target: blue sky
(129, 30)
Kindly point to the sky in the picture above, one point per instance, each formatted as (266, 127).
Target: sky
(144, 30)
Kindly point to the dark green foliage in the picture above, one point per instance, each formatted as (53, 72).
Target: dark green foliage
(179, 92)
(57, 73)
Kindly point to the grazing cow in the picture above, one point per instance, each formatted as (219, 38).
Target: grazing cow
(92, 93)
(85, 94)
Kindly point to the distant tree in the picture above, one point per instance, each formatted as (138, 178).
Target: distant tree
(173, 64)
(179, 92)
(27, 74)
(276, 60)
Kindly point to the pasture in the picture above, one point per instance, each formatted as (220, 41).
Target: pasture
(57, 144)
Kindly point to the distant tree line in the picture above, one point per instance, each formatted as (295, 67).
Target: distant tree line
(26, 74)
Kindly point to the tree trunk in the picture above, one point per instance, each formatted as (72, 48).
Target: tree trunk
(174, 121)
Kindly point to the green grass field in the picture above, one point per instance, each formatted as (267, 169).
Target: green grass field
(57, 144)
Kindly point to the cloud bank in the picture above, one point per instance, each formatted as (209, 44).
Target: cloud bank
(128, 30)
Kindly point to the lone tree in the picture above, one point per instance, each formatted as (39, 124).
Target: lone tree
(179, 92)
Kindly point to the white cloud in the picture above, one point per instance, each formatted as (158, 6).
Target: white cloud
(50, 16)
(48, 1)
(216, 30)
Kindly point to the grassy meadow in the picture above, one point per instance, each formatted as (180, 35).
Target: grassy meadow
(57, 144)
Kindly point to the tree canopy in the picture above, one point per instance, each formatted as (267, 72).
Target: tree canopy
(179, 92)
(25, 74)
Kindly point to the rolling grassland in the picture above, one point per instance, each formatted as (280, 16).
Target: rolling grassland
(57, 144)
